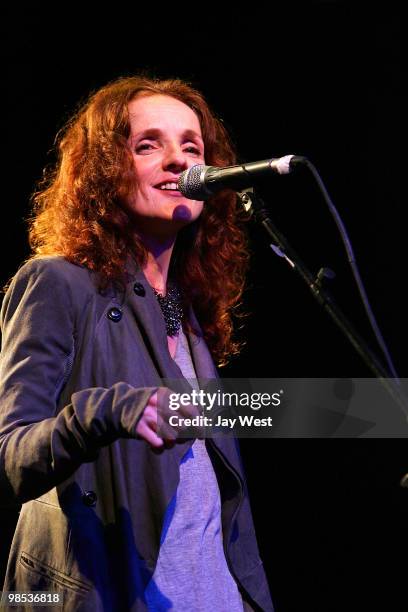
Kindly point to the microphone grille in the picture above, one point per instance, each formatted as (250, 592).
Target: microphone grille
(190, 183)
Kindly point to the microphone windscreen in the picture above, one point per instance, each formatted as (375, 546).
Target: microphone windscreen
(191, 183)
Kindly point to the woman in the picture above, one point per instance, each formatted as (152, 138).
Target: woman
(123, 268)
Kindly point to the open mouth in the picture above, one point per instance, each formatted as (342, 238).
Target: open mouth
(167, 187)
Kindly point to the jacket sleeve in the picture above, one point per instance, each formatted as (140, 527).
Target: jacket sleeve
(40, 448)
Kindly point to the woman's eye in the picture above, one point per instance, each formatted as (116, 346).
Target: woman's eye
(147, 146)
(193, 150)
(143, 147)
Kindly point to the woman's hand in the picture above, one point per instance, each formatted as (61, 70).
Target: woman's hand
(154, 427)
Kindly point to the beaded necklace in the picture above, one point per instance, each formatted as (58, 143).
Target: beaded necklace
(171, 308)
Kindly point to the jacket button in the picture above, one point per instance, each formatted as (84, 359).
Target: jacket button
(114, 314)
(139, 289)
(89, 498)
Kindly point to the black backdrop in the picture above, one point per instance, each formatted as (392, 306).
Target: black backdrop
(322, 79)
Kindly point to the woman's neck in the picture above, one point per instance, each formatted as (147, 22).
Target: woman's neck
(158, 262)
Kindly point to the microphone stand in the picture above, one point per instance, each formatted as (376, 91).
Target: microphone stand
(253, 204)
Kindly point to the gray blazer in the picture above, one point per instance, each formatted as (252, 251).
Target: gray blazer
(77, 369)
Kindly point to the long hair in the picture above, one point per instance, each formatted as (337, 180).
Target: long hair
(77, 211)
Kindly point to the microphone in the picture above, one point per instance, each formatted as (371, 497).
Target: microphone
(201, 182)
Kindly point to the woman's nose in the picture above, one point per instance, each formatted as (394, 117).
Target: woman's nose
(175, 159)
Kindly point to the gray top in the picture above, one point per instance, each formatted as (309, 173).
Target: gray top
(192, 572)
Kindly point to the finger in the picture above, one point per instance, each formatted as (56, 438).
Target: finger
(161, 427)
(165, 431)
(145, 432)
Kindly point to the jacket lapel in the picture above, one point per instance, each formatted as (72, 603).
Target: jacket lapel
(206, 373)
(147, 312)
(202, 360)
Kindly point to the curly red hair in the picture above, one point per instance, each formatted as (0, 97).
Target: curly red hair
(77, 212)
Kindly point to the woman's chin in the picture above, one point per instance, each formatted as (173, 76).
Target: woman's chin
(183, 213)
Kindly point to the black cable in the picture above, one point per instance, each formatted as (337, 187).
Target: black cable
(352, 262)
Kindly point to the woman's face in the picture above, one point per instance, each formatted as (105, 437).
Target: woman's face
(165, 140)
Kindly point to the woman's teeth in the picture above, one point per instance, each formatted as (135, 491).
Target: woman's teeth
(172, 186)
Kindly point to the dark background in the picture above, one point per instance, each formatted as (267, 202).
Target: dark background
(321, 79)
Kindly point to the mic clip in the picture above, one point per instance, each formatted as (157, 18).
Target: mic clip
(322, 275)
(246, 197)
